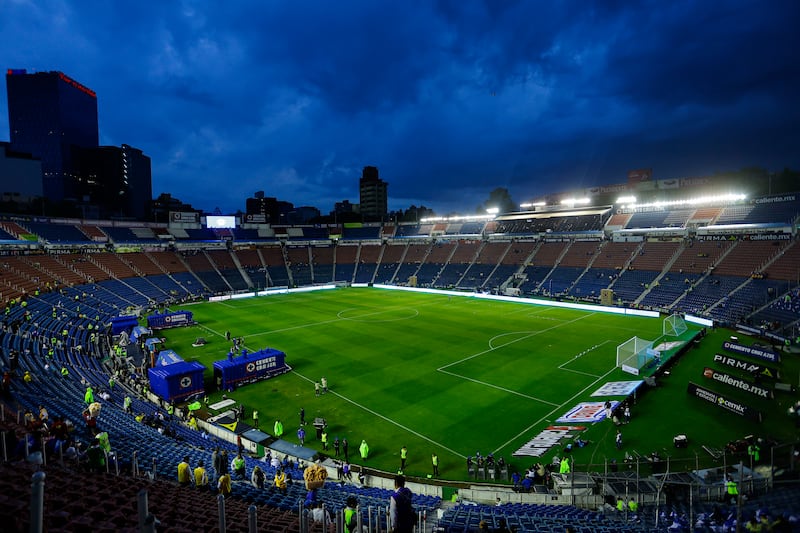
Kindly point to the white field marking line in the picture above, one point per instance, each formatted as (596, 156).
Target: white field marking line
(367, 409)
(561, 366)
(414, 311)
(496, 387)
(559, 407)
(492, 348)
(386, 418)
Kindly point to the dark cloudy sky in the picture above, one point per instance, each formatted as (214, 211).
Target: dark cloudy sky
(450, 99)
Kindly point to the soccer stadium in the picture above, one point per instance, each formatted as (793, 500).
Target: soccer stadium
(613, 367)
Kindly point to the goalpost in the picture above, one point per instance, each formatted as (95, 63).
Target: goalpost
(634, 354)
(674, 325)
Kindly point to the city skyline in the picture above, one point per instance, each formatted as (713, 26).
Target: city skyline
(449, 101)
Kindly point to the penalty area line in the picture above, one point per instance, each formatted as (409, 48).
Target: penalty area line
(585, 352)
(497, 387)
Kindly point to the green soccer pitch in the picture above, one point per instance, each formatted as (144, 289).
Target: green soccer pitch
(456, 375)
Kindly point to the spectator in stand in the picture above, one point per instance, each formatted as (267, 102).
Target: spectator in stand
(224, 485)
(320, 514)
(184, 476)
(257, 478)
(238, 466)
(401, 512)
(350, 515)
(280, 481)
(223, 463)
(200, 476)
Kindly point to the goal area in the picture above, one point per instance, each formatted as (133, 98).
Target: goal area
(634, 354)
(674, 325)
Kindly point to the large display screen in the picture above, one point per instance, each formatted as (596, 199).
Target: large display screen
(217, 221)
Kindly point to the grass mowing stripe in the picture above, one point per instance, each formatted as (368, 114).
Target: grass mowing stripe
(385, 418)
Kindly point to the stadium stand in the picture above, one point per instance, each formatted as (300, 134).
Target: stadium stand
(738, 279)
(362, 233)
(481, 268)
(272, 257)
(458, 263)
(369, 255)
(322, 261)
(298, 259)
(61, 233)
(390, 259)
(346, 258)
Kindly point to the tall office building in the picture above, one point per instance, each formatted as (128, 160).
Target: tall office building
(50, 115)
(116, 179)
(373, 194)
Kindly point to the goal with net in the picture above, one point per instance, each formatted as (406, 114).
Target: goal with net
(635, 354)
(674, 325)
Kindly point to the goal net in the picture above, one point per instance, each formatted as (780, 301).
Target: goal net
(674, 325)
(635, 353)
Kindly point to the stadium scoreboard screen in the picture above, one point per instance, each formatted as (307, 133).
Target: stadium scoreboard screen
(220, 222)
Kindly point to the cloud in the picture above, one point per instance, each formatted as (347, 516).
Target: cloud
(450, 99)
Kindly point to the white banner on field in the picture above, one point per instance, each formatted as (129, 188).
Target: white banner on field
(617, 388)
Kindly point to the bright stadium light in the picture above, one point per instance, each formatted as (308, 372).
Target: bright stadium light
(492, 210)
(626, 200)
(571, 202)
(457, 218)
(528, 205)
(694, 202)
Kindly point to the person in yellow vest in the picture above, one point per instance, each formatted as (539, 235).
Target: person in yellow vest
(633, 505)
(192, 422)
(403, 458)
(351, 515)
(224, 484)
(27, 377)
(184, 472)
(280, 480)
(435, 463)
(563, 467)
(88, 397)
(324, 439)
(200, 476)
(732, 488)
(620, 504)
(363, 449)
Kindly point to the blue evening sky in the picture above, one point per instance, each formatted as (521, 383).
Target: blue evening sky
(449, 99)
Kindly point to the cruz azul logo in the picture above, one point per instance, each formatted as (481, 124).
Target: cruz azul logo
(186, 382)
(262, 364)
(753, 351)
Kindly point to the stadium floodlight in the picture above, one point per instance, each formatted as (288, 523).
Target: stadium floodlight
(695, 202)
(626, 200)
(492, 210)
(571, 202)
(457, 218)
(528, 205)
